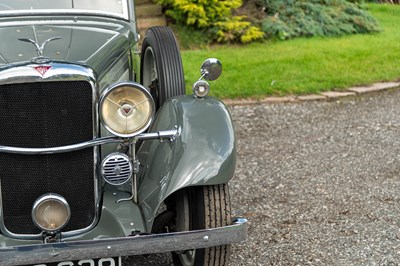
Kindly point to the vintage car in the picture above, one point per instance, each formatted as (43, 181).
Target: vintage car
(102, 155)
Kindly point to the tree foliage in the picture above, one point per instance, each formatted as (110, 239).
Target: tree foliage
(287, 19)
(215, 17)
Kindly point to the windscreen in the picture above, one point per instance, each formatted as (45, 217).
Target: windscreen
(118, 7)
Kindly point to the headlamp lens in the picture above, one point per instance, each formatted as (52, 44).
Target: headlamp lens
(51, 212)
(126, 109)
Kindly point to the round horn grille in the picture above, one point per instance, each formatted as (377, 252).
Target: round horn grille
(116, 169)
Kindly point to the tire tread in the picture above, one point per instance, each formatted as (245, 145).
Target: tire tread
(217, 214)
(169, 62)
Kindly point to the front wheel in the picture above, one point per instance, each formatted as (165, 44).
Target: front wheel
(202, 208)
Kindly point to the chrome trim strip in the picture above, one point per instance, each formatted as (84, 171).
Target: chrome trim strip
(25, 73)
(126, 246)
(2, 58)
(160, 135)
(62, 149)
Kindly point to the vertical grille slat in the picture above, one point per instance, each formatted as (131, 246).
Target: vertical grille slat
(42, 115)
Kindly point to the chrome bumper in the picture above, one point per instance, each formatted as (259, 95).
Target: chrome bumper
(126, 246)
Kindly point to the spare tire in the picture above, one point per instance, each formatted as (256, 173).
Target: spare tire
(161, 67)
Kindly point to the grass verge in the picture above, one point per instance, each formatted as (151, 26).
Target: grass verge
(305, 65)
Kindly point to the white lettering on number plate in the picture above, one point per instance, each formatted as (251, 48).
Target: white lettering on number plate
(87, 262)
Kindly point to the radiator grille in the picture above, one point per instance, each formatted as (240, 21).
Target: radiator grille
(38, 115)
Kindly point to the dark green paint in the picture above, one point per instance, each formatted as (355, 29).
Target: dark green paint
(116, 220)
(91, 41)
(204, 153)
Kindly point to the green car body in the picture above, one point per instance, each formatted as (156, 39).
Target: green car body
(187, 141)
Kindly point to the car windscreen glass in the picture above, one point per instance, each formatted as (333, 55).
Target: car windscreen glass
(117, 7)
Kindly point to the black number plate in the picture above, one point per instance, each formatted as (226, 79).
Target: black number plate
(87, 262)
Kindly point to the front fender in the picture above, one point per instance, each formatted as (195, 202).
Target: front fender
(203, 154)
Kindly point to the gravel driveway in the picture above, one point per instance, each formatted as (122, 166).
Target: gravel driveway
(318, 181)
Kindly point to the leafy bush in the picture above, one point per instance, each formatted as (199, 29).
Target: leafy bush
(357, 1)
(299, 18)
(396, 2)
(369, 1)
(215, 17)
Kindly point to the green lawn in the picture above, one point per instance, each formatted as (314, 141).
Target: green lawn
(306, 65)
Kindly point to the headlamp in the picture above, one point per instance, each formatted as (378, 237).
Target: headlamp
(126, 109)
(51, 212)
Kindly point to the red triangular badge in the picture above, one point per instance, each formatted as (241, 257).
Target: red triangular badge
(42, 69)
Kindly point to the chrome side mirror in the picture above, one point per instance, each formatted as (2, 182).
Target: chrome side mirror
(211, 69)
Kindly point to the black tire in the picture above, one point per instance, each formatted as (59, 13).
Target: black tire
(202, 208)
(161, 67)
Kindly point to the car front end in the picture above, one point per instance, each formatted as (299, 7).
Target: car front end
(87, 156)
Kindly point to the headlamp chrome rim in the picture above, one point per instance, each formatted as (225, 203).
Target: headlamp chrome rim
(201, 88)
(141, 89)
(51, 197)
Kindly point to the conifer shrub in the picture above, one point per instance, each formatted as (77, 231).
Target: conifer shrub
(215, 17)
(286, 19)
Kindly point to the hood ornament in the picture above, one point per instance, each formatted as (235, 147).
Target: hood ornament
(40, 59)
(39, 48)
